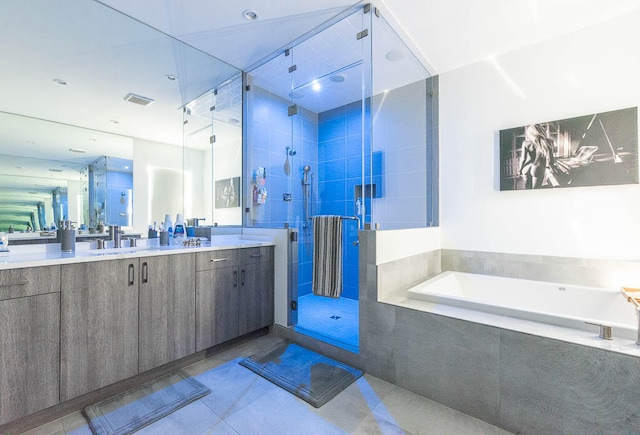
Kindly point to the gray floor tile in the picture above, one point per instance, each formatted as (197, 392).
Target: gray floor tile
(76, 424)
(52, 428)
(418, 415)
(232, 387)
(194, 418)
(375, 425)
(279, 412)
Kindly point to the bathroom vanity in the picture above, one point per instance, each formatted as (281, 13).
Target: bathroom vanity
(74, 323)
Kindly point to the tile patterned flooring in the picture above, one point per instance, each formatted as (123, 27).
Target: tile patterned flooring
(334, 321)
(242, 402)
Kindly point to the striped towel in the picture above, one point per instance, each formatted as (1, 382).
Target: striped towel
(327, 256)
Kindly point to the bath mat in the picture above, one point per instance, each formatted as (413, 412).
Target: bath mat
(130, 411)
(309, 375)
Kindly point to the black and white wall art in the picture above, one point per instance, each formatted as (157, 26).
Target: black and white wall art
(589, 150)
(228, 193)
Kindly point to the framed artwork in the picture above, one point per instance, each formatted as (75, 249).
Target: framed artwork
(590, 150)
(228, 193)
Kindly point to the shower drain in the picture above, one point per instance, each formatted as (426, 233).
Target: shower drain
(334, 317)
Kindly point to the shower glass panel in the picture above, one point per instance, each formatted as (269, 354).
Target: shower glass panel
(212, 156)
(402, 190)
(305, 114)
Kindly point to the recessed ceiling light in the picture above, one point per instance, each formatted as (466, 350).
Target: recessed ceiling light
(250, 15)
(338, 78)
(315, 85)
(171, 77)
(60, 81)
(395, 55)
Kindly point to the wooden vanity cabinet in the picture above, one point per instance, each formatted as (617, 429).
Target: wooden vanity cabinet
(234, 293)
(167, 309)
(29, 340)
(217, 279)
(256, 289)
(99, 325)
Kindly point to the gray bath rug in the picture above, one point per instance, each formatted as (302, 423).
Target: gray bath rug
(130, 411)
(309, 375)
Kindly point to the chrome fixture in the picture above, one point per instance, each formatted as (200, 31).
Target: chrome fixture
(307, 194)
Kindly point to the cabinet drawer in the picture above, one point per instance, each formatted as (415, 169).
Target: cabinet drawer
(260, 254)
(216, 259)
(18, 283)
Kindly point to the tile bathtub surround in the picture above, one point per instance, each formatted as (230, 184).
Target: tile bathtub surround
(242, 402)
(609, 273)
(517, 381)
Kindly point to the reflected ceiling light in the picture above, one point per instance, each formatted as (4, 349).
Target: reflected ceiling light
(250, 15)
(33, 193)
(338, 78)
(315, 86)
(171, 77)
(234, 121)
(297, 93)
(60, 82)
(395, 55)
(55, 170)
(113, 121)
(77, 150)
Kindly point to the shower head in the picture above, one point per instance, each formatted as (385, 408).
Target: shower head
(306, 168)
(291, 151)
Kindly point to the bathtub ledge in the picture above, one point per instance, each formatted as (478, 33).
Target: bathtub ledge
(618, 345)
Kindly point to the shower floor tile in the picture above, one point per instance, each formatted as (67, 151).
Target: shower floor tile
(335, 321)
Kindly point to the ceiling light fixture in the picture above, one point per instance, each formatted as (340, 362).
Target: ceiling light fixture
(171, 77)
(113, 121)
(60, 82)
(55, 170)
(338, 78)
(250, 15)
(77, 150)
(315, 85)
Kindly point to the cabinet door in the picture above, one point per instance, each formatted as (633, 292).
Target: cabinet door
(256, 295)
(29, 354)
(216, 306)
(99, 320)
(167, 309)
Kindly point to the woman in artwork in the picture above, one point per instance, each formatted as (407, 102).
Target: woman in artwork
(537, 158)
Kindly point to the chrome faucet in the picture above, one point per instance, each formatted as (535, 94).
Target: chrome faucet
(115, 234)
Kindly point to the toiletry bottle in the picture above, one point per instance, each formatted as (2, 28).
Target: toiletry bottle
(179, 231)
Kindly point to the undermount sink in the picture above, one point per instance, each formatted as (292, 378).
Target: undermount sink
(122, 250)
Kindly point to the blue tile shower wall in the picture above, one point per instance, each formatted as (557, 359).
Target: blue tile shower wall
(340, 170)
(331, 144)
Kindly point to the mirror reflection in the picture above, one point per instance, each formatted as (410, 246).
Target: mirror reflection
(92, 91)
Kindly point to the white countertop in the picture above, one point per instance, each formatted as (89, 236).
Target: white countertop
(49, 254)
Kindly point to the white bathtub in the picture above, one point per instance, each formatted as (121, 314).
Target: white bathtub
(556, 304)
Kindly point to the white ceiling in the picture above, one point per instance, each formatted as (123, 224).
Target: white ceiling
(445, 34)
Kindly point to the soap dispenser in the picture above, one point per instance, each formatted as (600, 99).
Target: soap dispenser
(179, 231)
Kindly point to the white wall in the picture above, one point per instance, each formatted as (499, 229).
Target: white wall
(151, 202)
(593, 70)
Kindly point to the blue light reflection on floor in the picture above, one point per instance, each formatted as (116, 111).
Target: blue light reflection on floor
(335, 321)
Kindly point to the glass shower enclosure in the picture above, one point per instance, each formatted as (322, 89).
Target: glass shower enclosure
(311, 111)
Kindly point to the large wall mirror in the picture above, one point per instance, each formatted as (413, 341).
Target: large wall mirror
(104, 119)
